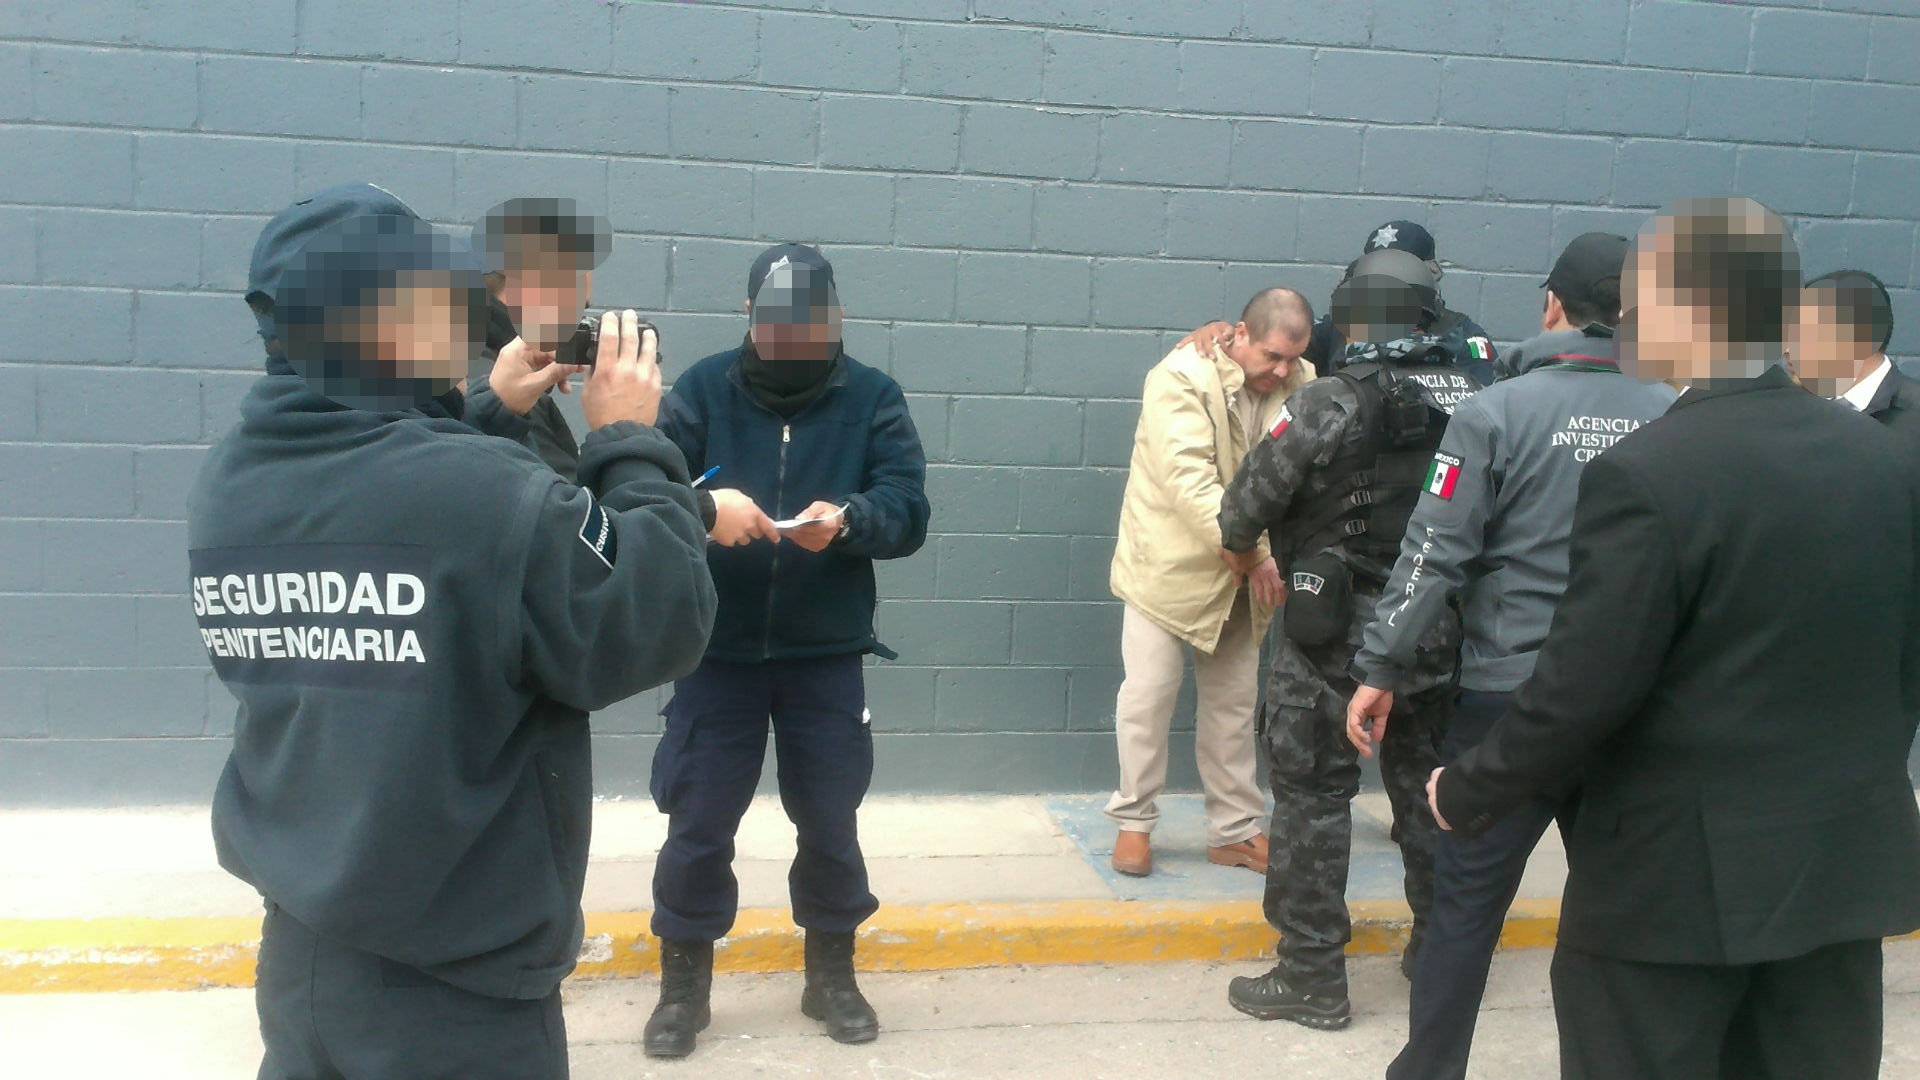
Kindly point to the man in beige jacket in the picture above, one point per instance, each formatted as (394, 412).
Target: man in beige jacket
(1204, 407)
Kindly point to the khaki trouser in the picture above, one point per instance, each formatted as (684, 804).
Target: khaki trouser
(1228, 682)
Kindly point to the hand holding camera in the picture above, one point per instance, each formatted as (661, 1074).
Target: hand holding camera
(625, 382)
(521, 373)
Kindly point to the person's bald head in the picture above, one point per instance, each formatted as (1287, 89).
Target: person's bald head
(1272, 333)
(1277, 310)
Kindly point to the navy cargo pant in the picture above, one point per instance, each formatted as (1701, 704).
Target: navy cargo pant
(332, 1012)
(1475, 879)
(705, 772)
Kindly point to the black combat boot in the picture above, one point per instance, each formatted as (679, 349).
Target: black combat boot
(1410, 956)
(831, 996)
(1270, 998)
(686, 992)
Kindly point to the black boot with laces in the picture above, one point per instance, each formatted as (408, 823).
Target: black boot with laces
(832, 997)
(686, 992)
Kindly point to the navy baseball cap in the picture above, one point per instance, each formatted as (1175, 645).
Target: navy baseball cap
(1407, 236)
(337, 273)
(286, 235)
(802, 279)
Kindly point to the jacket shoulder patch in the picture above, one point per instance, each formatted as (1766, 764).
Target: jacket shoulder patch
(1443, 475)
(597, 532)
(1280, 425)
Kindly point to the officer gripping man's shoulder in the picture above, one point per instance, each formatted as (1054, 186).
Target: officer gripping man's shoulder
(1313, 425)
(416, 619)
(1335, 483)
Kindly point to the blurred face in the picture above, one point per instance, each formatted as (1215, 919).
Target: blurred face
(1268, 362)
(795, 315)
(1827, 350)
(1375, 309)
(1672, 330)
(546, 294)
(1663, 338)
(420, 330)
(816, 338)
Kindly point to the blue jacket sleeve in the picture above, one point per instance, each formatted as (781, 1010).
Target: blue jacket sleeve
(888, 520)
(684, 423)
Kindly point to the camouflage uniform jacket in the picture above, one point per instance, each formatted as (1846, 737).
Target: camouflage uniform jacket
(1316, 428)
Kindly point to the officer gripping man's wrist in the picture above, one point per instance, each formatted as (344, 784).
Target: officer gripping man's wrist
(1334, 484)
(416, 620)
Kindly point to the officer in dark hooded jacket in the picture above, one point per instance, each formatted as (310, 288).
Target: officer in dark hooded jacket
(809, 434)
(1335, 483)
(416, 619)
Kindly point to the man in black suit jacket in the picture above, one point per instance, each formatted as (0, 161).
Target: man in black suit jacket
(1735, 675)
(1846, 321)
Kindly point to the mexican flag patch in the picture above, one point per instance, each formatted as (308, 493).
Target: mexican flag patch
(1442, 475)
(1280, 425)
(1479, 348)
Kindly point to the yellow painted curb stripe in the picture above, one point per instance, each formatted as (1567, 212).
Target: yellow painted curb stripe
(82, 955)
(90, 955)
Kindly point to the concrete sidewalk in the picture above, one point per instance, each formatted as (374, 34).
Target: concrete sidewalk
(133, 899)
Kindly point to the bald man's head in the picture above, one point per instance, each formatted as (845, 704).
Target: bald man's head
(1277, 310)
(1273, 331)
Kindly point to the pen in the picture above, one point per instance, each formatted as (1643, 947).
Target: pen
(706, 476)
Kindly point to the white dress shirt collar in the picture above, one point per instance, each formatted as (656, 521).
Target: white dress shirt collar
(1860, 394)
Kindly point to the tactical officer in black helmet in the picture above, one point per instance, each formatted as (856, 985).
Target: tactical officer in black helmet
(1335, 483)
(1472, 349)
(1469, 343)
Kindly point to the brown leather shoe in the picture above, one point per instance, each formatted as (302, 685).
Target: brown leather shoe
(1250, 853)
(1133, 854)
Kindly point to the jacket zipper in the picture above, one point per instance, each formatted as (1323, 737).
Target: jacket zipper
(773, 571)
(779, 492)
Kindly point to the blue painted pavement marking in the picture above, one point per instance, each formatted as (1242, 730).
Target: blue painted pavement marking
(1180, 867)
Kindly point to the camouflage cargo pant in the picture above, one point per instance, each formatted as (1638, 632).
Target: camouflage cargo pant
(1315, 773)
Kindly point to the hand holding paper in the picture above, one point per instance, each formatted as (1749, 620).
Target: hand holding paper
(816, 526)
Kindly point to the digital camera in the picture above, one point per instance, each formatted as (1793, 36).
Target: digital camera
(584, 345)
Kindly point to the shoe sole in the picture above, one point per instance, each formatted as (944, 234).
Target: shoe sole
(1133, 871)
(1241, 862)
(1315, 1021)
(845, 1038)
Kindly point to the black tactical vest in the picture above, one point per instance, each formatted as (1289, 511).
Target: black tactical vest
(1362, 500)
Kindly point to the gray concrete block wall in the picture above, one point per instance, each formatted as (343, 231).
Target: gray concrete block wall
(1027, 200)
